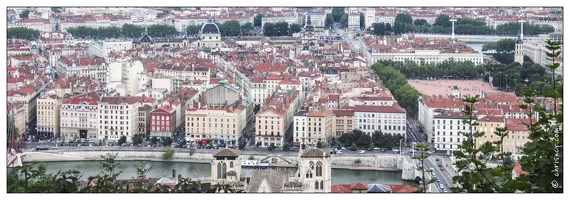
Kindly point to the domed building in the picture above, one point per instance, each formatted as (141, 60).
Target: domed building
(210, 36)
(147, 41)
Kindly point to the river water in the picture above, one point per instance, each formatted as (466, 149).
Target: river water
(128, 168)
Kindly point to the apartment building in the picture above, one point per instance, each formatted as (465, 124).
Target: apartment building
(220, 115)
(276, 117)
(426, 111)
(343, 121)
(41, 25)
(83, 65)
(48, 115)
(79, 117)
(315, 126)
(143, 127)
(28, 98)
(220, 125)
(122, 75)
(18, 113)
(117, 117)
(448, 126)
(517, 136)
(162, 122)
(489, 124)
(388, 119)
(102, 48)
(354, 21)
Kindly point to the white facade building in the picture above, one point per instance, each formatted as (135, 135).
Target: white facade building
(103, 48)
(123, 76)
(448, 127)
(117, 117)
(388, 119)
(79, 118)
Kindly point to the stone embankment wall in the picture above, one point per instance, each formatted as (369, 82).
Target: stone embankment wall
(386, 162)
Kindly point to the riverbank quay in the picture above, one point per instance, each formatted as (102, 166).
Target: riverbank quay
(380, 162)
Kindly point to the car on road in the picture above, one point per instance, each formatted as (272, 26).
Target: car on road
(343, 148)
(444, 190)
(362, 151)
(438, 180)
(437, 159)
(441, 186)
(376, 148)
(383, 150)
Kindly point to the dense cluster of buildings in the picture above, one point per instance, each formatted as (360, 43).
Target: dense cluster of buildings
(307, 89)
(441, 118)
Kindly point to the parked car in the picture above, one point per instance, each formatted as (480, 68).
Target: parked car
(362, 151)
(437, 159)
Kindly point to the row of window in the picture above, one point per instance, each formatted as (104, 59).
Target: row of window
(371, 127)
(397, 116)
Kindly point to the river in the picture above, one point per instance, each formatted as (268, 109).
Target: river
(128, 168)
(475, 46)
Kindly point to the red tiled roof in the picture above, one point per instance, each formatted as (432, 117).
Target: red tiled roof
(359, 186)
(382, 109)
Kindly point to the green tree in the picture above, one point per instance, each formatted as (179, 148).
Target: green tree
(319, 144)
(242, 144)
(421, 157)
(24, 14)
(338, 146)
(168, 154)
(442, 20)
(362, 21)
(122, 140)
(371, 147)
(269, 29)
(211, 145)
(193, 29)
(131, 30)
(329, 20)
(421, 22)
(137, 139)
(474, 173)
(153, 140)
(344, 20)
(353, 147)
(167, 141)
(246, 28)
(294, 28)
(257, 20)
(286, 146)
(191, 151)
(22, 33)
(363, 140)
(337, 13)
(543, 154)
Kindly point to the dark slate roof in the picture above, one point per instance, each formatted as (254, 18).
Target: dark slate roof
(231, 173)
(378, 188)
(311, 153)
(146, 39)
(210, 28)
(275, 178)
(226, 152)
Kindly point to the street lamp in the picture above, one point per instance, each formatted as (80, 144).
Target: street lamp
(401, 146)
(500, 80)
(507, 83)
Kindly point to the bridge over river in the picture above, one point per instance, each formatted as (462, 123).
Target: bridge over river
(471, 38)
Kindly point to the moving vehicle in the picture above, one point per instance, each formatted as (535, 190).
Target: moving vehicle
(42, 147)
(254, 163)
